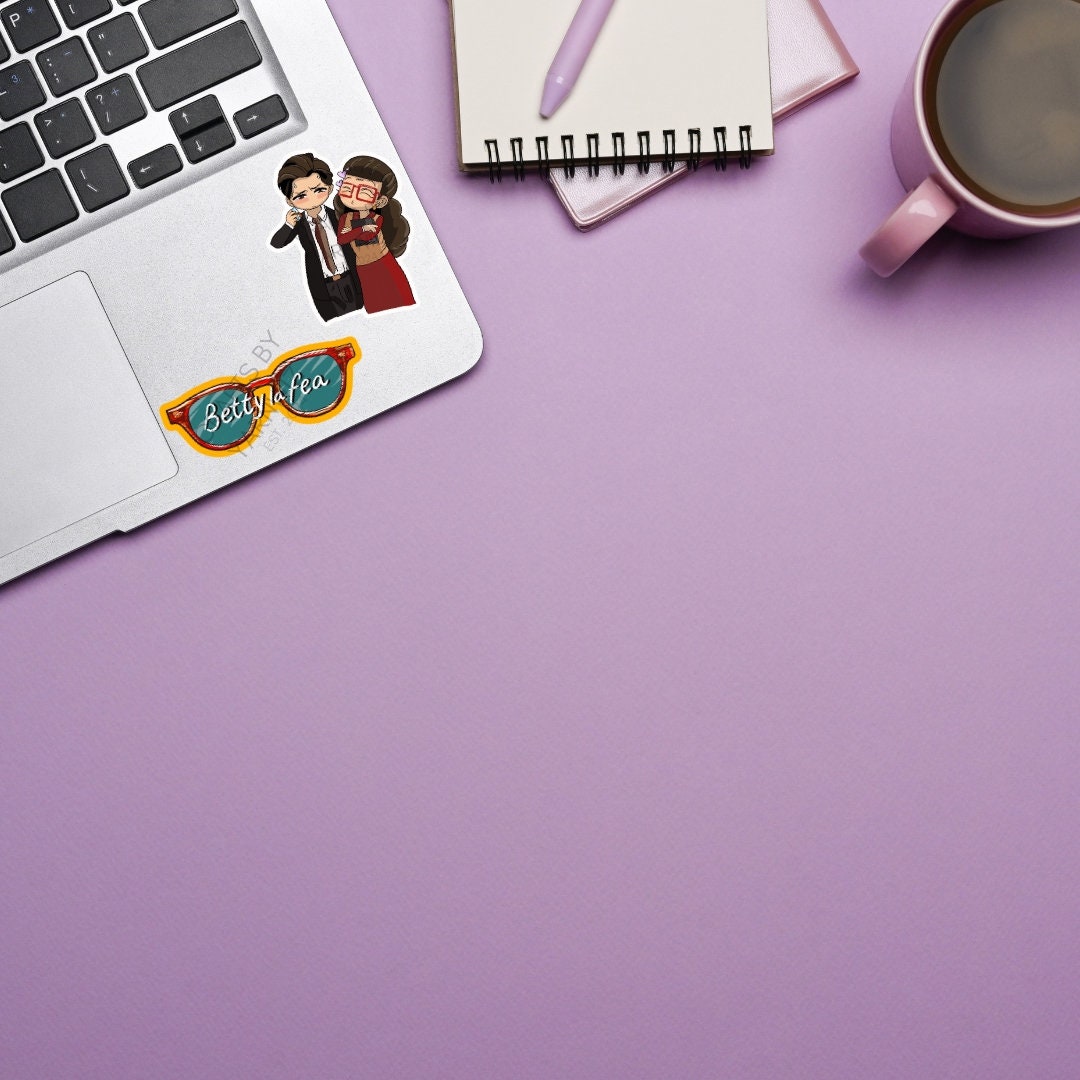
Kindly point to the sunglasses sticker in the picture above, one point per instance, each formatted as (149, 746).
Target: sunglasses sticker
(351, 230)
(225, 415)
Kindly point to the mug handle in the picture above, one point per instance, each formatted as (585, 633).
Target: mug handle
(913, 222)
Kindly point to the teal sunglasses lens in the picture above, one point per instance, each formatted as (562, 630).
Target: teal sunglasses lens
(224, 417)
(311, 384)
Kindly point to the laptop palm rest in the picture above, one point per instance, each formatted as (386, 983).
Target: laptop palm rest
(77, 434)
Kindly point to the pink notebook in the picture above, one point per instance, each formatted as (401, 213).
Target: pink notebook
(806, 59)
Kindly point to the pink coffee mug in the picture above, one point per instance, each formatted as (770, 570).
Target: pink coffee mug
(936, 195)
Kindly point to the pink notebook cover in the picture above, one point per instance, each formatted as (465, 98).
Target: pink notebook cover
(806, 59)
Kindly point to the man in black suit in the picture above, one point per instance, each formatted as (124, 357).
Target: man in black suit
(307, 184)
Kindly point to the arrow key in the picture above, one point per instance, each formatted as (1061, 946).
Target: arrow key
(208, 141)
(155, 166)
(195, 115)
(261, 116)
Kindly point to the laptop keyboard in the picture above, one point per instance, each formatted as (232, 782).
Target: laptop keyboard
(83, 86)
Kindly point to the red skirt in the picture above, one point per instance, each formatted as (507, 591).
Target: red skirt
(384, 285)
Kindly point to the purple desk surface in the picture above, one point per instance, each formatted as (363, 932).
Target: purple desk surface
(690, 692)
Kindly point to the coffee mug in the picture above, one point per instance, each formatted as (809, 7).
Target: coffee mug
(986, 132)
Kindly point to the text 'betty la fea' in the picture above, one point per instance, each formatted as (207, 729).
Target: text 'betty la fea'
(250, 403)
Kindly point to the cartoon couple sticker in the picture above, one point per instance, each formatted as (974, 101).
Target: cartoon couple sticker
(351, 247)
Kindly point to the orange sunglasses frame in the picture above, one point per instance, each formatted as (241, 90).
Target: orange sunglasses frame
(178, 414)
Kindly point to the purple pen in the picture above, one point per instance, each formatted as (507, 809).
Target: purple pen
(573, 52)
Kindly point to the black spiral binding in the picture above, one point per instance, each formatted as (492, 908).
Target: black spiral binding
(694, 160)
(720, 161)
(593, 154)
(669, 156)
(544, 161)
(745, 149)
(644, 151)
(494, 164)
(568, 156)
(618, 145)
(518, 155)
(668, 164)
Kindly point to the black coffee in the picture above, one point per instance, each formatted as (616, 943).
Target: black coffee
(1003, 103)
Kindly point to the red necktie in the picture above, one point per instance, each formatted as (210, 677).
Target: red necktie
(324, 247)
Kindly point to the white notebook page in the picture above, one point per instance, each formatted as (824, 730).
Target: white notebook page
(678, 65)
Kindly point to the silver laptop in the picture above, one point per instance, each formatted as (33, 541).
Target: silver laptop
(211, 257)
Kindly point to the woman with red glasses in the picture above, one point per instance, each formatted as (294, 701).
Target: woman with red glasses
(370, 220)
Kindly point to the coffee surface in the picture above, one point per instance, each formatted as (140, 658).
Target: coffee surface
(1003, 103)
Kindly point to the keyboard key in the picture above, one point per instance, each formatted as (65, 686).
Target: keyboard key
(19, 153)
(30, 23)
(78, 13)
(170, 21)
(195, 115)
(155, 166)
(97, 178)
(4, 51)
(116, 104)
(261, 116)
(199, 65)
(66, 66)
(64, 128)
(7, 241)
(208, 141)
(19, 90)
(202, 129)
(39, 205)
(118, 43)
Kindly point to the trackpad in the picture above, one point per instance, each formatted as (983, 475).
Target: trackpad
(77, 434)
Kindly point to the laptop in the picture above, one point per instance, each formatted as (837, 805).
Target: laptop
(211, 257)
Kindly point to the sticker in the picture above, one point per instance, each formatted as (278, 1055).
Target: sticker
(351, 246)
(225, 415)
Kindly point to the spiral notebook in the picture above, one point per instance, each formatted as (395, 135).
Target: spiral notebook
(807, 58)
(689, 81)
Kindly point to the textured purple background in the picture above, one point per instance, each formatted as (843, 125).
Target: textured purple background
(689, 692)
